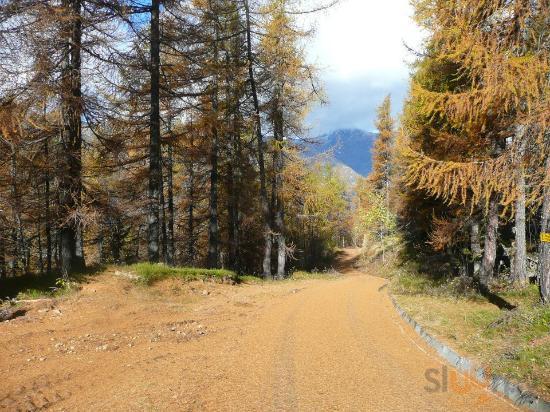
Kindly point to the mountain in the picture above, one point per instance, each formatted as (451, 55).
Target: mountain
(347, 174)
(349, 147)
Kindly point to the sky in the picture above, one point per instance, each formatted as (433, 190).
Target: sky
(359, 46)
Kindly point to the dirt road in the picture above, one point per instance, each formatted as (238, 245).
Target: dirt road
(307, 346)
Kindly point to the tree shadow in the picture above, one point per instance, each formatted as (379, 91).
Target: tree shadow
(344, 262)
(32, 285)
(493, 298)
(36, 285)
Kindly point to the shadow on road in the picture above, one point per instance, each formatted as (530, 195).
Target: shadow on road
(346, 260)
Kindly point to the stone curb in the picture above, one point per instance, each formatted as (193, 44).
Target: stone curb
(496, 383)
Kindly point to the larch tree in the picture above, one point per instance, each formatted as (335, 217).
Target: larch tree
(145, 130)
(382, 152)
(496, 84)
(288, 96)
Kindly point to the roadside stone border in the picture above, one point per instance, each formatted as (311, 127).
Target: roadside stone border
(496, 383)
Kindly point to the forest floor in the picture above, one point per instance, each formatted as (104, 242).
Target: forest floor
(308, 345)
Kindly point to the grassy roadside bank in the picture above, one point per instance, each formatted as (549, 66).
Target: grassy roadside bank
(33, 287)
(150, 273)
(514, 343)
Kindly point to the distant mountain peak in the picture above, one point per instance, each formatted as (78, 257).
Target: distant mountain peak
(350, 147)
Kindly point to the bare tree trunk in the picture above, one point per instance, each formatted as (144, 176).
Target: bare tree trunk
(264, 203)
(490, 245)
(544, 256)
(3, 273)
(39, 245)
(278, 160)
(80, 246)
(137, 240)
(162, 205)
(47, 216)
(190, 249)
(170, 181)
(213, 228)
(70, 185)
(213, 224)
(57, 250)
(116, 238)
(475, 246)
(100, 239)
(153, 218)
(232, 209)
(519, 270)
(234, 184)
(15, 214)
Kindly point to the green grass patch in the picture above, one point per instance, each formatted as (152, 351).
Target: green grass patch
(150, 273)
(406, 283)
(514, 344)
(30, 287)
(302, 275)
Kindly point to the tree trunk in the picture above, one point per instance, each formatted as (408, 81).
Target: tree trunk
(162, 205)
(16, 224)
(116, 239)
(213, 225)
(170, 228)
(2, 254)
(100, 239)
(80, 246)
(213, 228)
(232, 217)
(490, 245)
(190, 249)
(153, 223)
(47, 218)
(278, 163)
(70, 185)
(39, 245)
(264, 203)
(519, 270)
(475, 246)
(544, 256)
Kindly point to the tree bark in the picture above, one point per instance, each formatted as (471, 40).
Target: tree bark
(475, 246)
(39, 245)
(70, 185)
(15, 214)
(2, 254)
(213, 225)
(116, 238)
(264, 203)
(232, 209)
(47, 215)
(490, 245)
(170, 228)
(519, 271)
(100, 239)
(544, 254)
(213, 229)
(278, 163)
(190, 211)
(153, 223)
(163, 226)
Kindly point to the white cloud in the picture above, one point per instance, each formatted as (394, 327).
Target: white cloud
(362, 42)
